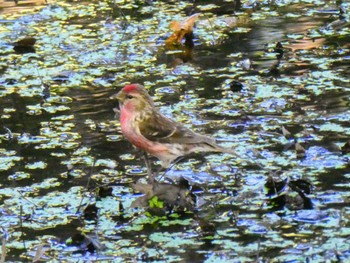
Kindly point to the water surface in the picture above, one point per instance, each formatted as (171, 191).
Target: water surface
(66, 170)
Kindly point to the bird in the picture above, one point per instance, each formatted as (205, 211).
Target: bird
(145, 127)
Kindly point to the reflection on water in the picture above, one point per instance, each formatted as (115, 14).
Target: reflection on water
(287, 115)
(15, 6)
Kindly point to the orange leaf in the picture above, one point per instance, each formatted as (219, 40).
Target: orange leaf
(188, 23)
(181, 30)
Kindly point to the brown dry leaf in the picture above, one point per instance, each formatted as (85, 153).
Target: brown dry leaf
(175, 26)
(146, 189)
(345, 149)
(286, 133)
(181, 29)
(25, 45)
(300, 150)
(169, 193)
(25, 42)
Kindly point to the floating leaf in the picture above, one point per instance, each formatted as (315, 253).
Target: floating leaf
(183, 29)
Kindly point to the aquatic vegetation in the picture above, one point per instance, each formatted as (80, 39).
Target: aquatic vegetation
(268, 78)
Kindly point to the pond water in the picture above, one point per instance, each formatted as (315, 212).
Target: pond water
(267, 78)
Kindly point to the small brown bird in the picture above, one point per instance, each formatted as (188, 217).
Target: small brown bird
(146, 128)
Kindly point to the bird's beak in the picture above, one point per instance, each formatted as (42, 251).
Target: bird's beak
(118, 96)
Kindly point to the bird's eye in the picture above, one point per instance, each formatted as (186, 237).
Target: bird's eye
(129, 96)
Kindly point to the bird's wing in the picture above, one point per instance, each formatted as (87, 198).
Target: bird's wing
(161, 129)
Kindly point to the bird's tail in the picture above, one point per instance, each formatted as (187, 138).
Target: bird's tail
(219, 148)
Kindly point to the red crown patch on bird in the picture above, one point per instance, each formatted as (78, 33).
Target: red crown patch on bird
(131, 88)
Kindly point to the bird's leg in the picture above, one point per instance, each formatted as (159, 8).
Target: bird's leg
(150, 178)
(169, 168)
